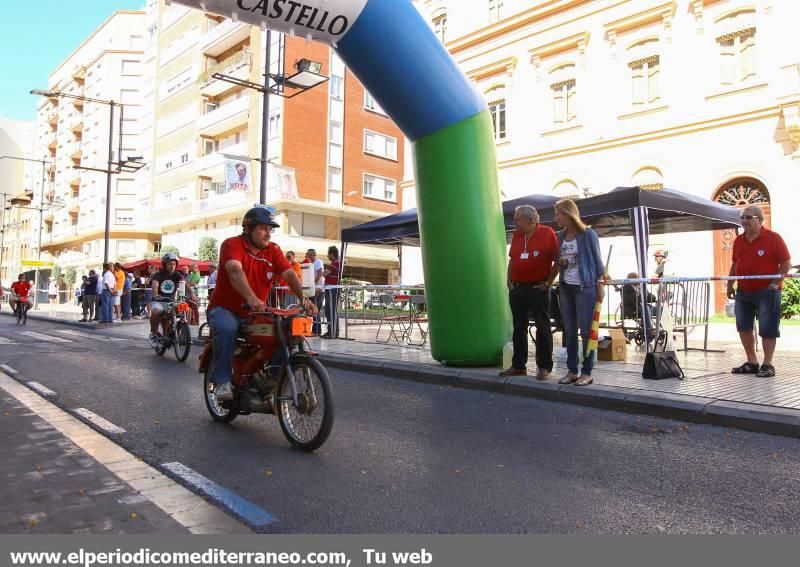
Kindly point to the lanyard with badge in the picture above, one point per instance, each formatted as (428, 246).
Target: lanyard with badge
(525, 255)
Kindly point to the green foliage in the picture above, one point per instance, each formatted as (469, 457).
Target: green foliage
(122, 259)
(170, 248)
(790, 300)
(71, 275)
(56, 273)
(207, 250)
(149, 255)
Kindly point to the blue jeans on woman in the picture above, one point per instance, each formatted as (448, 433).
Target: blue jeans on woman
(105, 301)
(577, 311)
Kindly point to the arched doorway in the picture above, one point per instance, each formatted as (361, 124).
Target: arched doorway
(737, 193)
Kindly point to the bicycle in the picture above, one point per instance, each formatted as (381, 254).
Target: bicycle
(176, 329)
(20, 312)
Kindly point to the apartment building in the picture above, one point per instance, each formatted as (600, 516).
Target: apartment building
(18, 225)
(702, 96)
(335, 158)
(73, 134)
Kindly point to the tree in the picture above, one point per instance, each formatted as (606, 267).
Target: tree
(71, 275)
(122, 258)
(207, 249)
(170, 248)
(56, 273)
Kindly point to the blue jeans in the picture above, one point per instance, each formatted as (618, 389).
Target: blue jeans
(332, 311)
(225, 325)
(577, 311)
(766, 305)
(105, 302)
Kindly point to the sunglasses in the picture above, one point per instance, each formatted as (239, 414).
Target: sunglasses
(749, 217)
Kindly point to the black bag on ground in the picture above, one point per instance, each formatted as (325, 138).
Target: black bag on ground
(661, 365)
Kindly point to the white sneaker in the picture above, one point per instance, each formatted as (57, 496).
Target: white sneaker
(153, 340)
(223, 392)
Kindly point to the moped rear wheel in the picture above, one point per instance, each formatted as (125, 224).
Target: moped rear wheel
(224, 412)
(308, 424)
(183, 341)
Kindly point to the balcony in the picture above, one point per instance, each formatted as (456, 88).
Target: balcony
(211, 164)
(79, 74)
(75, 153)
(77, 128)
(214, 203)
(225, 118)
(238, 66)
(75, 182)
(52, 118)
(223, 37)
(52, 146)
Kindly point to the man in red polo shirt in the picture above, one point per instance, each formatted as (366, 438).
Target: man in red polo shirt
(248, 266)
(534, 249)
(758, 251)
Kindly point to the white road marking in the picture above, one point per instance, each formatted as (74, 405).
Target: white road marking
(103, 424)
(41, 388)
(5, 341)
(181, 504)
(96, 337)
(43, 337)
(229, 499)
(7, 369)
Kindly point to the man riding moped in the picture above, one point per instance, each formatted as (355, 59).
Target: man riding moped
(164, 285)
(248, 266)
(20, 291)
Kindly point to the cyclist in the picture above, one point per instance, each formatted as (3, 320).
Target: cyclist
(20, 291)
(249, 265)
(164, 285)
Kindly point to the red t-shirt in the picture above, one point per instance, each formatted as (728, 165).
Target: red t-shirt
(22, 289)
(762, 256)
(261, 267)
(542, 251)
(333, 277)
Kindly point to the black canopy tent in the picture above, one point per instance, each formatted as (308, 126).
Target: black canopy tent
(622, 212)
(609, 214)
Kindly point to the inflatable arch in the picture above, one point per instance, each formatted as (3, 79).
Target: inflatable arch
(388, 45)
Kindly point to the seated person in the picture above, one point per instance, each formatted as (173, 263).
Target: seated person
(631, 302)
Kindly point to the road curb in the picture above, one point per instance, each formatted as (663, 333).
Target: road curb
(696, 409)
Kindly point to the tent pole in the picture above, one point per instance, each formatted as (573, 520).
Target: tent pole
(346, 301)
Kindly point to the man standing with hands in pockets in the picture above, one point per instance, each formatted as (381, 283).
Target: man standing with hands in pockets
(534, 249)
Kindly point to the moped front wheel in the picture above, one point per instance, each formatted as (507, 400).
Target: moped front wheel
(183, 341)
(308, 423)
(224, 412)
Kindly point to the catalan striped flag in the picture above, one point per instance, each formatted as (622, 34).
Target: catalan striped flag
(594, 334)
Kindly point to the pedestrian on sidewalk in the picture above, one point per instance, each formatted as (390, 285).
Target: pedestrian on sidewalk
(331, 274)
(89, 296)
(52, 292)
(758, 251)
(534, 250)
(581, 274)
(109, 288)
(127, 286)
(98, 305)
(119, 275)
(319, 285)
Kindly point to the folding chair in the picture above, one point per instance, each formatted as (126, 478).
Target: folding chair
(393, 317)
(417, 316)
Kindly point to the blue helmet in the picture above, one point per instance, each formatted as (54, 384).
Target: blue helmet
(258, 215)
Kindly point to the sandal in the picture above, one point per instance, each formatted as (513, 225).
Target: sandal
(584, 380)
(767, 371)
(746, 368)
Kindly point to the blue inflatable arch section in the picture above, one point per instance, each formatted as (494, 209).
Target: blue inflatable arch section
(389, 46)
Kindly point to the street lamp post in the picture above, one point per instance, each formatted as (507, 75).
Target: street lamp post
(307, 77)
(130, 165)
(44, 163)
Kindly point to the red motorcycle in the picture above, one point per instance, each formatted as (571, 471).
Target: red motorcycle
(300, 392)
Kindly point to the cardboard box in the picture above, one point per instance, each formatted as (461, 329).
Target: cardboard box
(613, 346)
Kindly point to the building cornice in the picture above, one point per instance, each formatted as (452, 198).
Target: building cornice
(660, 13)
(512, 23)
(680, 130)
(504, 66)
(577, 41)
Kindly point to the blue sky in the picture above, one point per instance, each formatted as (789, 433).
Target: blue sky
(37, 36)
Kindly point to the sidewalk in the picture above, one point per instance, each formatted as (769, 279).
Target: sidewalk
(60, 476)
(709, 394)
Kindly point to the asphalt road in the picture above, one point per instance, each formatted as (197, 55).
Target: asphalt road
(408, 457)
